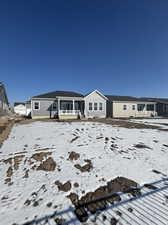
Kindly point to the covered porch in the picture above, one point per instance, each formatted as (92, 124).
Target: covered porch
(68, 108)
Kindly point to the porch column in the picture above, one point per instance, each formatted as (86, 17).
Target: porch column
(58, 105)
(145, 109)
(73, 107)
(155, 113)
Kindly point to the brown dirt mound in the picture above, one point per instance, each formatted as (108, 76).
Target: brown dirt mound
(73, 156)
(40, 156)
(47, 165)
(86, 168)
(63, 187)
(14, 165)
(102, 197)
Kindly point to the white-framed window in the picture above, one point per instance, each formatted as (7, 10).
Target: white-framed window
(95, 106)
(36, 105)
(133, 107)
(150, 107)
(54, 106)
(141, 107)
(124, 107)
(90, 106)
(100, 106)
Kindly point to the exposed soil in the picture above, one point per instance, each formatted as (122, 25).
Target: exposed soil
(5, 129)
(141, 145)
(26, 174)
(40, 156)
(47, 165)
(102, 197)
(86, 168)
(125, 123)
(63, 187)
(76, 185)
(14, 163)
(59, 221)
(17, 161)
(73, 156)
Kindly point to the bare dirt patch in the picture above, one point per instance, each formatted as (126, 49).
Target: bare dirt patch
(47, 165)
(5, 129)
(102, 197)
(73, 156)
(125, 123)
(14, 163)
(141, 145)
(17, 161)
(40, 156)
(86, 168)
(63, 187)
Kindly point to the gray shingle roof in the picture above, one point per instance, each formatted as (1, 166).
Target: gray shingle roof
(59, 93)
(121, 98)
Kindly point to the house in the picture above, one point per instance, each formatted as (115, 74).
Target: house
(58, 104)
(72, 105)
(4, 103)
(95, 105)
(161, 105)
(126, 106)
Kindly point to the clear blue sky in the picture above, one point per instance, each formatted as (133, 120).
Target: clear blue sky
(117, 46)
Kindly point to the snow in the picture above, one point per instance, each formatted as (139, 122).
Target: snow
(161, 122)
(124, 159)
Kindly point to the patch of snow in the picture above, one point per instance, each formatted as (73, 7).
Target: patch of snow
(111, 150)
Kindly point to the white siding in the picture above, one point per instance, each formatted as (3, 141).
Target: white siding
(93, 98)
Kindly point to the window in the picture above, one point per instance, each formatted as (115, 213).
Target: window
(95, 106)
(100, 106)
(141, 107)
(36, 105)
(54, 106)
(133, 107)
(90, 106)
(150, 107)
(124, 107)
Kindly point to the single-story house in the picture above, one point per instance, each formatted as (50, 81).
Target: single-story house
(126, 106)
(58, 104)
(72, 105)
(4, 103)
(161, 105)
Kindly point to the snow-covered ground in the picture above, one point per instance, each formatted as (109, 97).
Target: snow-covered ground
(162, 123)
(26, 188)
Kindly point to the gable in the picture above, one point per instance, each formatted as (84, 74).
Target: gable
(96, 94)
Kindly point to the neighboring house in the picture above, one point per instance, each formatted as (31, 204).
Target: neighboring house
(161, 105)
(72, 105)
(61, 104)
(125, 106)
(4, 104)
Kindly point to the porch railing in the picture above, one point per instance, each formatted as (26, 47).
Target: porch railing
(69, 112)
